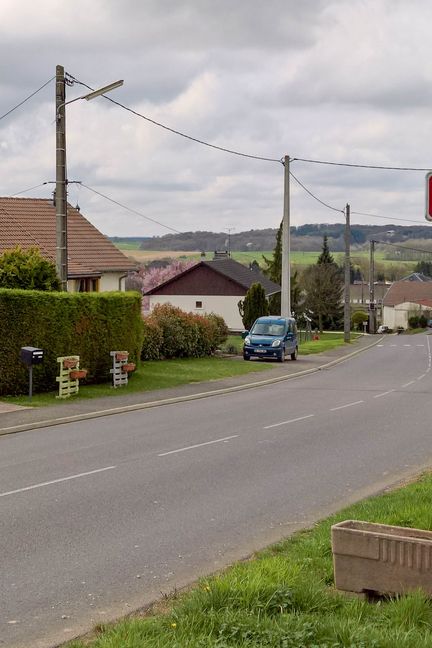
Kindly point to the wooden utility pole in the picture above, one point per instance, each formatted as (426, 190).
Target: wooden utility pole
(347, 301)
(61, 181)
(286, 266)
(372, 288)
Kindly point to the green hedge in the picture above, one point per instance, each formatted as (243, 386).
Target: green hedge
(169, 332)
(86, 324)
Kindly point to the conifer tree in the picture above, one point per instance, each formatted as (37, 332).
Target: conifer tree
(254, 305)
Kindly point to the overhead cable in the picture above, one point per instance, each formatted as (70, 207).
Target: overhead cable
(315, 197)
(361, 166)
(29, 189)
(27, 98)
(133, 211)
(392, 218)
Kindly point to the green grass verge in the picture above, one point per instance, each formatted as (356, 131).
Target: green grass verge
(285, 597)
(152, 375)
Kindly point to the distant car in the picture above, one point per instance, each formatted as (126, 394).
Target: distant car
(384, 329)
(271, 337)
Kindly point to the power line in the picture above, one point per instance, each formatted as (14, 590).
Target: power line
(392, 218)
(315, 197)
(27, 98)
(176, 132)
(404, 247)
(29, 189)
(133, 211)
(361, 166)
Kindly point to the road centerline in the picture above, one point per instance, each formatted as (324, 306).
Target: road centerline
(197, 445)
(390, 391)
(56, 481)
(411, 382)
(334, 409)
(300, 418)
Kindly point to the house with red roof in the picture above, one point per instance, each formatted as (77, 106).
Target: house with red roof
(94, 262)
(406, 298)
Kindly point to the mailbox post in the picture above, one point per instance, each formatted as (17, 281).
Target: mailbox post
(31, 356)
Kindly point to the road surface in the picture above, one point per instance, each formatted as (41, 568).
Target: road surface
(99, 517)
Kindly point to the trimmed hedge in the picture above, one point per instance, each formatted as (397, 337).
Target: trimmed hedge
(86, 324)
(169, 332)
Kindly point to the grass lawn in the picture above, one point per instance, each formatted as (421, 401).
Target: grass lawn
(285, 598)
(152, 375)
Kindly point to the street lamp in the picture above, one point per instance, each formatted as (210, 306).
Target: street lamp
(61, 181)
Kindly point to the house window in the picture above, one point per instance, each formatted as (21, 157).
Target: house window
(87, 284)
(198, 304)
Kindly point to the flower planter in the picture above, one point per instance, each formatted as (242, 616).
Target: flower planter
(121, 355)
(129, 366)
(381, 558)
(69, 363)
(77, 374)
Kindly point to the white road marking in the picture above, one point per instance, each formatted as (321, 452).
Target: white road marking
(300, 418)
(420, 345)
(384, 393)
(333, 409)
(393, 345)
(422, 376)
(197, 445)
(407, 345)
(56, 481)
(380, 345)
(409, 383)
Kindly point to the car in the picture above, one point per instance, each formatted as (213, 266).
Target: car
(271, 337)
(384, 329)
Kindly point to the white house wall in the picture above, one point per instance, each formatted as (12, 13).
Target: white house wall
(394, 316)
(222, 305)
(110, 281)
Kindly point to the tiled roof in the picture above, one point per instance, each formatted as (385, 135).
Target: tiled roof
(31, 222)
(408, 291)
(417, 276)
(231, 269)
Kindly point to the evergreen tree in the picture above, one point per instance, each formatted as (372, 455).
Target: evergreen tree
(274, 272)
(254, 305)
(424, 267)
(323, 285)
(325, 256)
(27, 269)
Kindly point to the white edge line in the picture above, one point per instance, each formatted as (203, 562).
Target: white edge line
(409, 383)
(301, 418)
(420, 377)
(333, 409)
(384, 393)
(56, 481)
(197, 445)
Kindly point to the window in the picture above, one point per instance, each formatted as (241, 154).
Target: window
(198, 304)
(87, 285)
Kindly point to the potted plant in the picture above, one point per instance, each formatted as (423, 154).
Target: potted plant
(129, 366)
(77, 374)
(69, 363)
(120, 356)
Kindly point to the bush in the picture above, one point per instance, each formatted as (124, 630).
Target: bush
(27, 269)
(423, 321)
(254, 305)
(413, 321)
(169, 332)
(86, 324)
(357, 319)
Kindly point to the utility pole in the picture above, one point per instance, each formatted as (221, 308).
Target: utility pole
(229, 230)
(372, 288)
(286, 266)
(61, 182)
(347, 301)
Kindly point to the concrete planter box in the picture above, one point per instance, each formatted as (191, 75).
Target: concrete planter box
(381, 558)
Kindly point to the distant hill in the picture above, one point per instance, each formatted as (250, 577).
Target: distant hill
(303, 238)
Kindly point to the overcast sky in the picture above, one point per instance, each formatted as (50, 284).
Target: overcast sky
(337, 80)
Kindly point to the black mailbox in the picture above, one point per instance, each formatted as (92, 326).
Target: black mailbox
(31, 356)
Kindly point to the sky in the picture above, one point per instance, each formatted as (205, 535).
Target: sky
(347, 81)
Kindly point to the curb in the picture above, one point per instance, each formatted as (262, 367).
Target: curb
(25, 427)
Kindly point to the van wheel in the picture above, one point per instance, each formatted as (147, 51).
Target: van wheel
(294, 354)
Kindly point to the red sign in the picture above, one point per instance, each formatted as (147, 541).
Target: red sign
(428, 213)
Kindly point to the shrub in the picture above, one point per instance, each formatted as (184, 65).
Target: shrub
(422, 321)
(254, 305)
(27, 269)
(169, 332)
(413, 321)
(357, 319)
(86, 324)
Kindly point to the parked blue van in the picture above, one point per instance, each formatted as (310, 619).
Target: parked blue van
(271, 337)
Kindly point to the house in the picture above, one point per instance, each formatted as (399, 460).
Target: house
(214, 286)
(409, 296)
(94, 263)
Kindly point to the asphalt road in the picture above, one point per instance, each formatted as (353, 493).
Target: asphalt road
(101, 516)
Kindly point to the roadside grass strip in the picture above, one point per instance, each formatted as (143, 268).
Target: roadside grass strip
(284, 597)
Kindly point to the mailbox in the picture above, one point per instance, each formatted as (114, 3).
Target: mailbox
(31, 356)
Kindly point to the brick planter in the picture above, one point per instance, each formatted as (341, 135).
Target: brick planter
(381, 558)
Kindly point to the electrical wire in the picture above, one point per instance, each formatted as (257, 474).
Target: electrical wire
(392, 218)
(360, 166)
(27, 98)
(315, 197)
(403, 247)
(29, 189)
(176, 132)
(133, 211)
